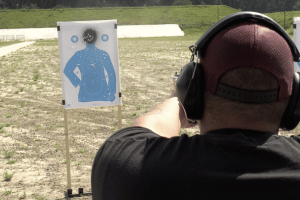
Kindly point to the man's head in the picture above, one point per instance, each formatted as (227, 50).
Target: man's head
(248, 56)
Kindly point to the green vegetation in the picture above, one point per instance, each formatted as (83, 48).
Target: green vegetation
(8, 154)
(78, 164)
(190, 18)
(81, 151)
(4, 125)
(57, 146)
(36, 75)
(7, 176)
(2, 44)
(46, 43)
(11, 161)
(38, 197)
(7, 192)
(285, 19)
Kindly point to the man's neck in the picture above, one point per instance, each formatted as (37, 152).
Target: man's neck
(207, 125)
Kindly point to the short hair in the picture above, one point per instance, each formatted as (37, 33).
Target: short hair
(249, 79)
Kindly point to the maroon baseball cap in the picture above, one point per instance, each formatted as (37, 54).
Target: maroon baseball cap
(249, 44)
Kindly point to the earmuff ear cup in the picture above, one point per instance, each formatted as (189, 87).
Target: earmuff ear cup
(190, 89)
(291, 116)
(183, 81)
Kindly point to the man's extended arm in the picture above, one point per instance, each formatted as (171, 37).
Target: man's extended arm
(163, 120)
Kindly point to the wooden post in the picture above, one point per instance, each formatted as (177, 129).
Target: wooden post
(67, 150)
(119, 117)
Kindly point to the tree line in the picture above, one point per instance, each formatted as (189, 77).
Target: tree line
(244, 5)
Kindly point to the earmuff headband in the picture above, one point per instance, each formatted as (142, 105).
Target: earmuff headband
(201, 43)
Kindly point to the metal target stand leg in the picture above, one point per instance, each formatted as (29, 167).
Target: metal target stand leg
(69, 194)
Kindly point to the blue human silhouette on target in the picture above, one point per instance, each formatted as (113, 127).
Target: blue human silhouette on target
(93, 65)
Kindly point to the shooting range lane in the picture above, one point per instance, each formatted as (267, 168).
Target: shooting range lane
(8, 49)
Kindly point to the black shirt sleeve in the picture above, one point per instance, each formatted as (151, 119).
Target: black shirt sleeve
(117, 164)
(136, 133)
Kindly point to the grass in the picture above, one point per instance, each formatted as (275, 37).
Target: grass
(81, 151)
(37, 128)
(8, 176)
(7, 43)
(11, 161)
(38, 197)
(285, 19)
(190, 18)
(193, 19)
(36, 75)
(57, 146)
(7, 192)
(8, 154)
(4, 125)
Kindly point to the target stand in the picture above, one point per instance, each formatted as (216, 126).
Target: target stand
(79, 43)
(68, 193)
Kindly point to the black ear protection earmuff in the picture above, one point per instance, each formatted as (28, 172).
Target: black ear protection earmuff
(191, 80)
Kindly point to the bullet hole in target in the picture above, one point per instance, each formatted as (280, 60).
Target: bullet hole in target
(90, 36)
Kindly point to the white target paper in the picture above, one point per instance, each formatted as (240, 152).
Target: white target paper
(89, 63)
(297, 41)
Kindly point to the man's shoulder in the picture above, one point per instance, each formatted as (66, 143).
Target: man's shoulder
(135, 132)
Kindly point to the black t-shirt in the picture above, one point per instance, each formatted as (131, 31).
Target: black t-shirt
(136, 163)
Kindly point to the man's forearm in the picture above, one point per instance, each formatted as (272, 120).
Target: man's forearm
(163, 120)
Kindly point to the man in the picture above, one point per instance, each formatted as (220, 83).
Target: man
(238, 154)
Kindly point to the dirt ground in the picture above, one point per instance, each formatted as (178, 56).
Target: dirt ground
(32, 140)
